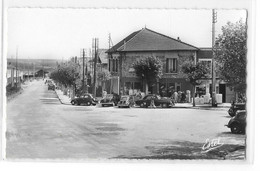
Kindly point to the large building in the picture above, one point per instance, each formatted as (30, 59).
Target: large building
(172, 52)
(144, 43)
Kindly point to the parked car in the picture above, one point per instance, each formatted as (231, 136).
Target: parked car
(235, 107)
(158, 101)
(51, 86)
(237, 124)
(84, 99)
(108, 100)
(126, 101)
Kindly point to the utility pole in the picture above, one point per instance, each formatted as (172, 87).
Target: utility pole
(83, 69)
(28, 68)
(16, 67)
(33, 71)
(214, 20)
(43, 69)
(95, 65)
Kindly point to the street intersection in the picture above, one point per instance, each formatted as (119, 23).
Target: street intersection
(39, 126)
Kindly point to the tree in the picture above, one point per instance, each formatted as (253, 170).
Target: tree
(65, 74)
(103, 76)
(194, 73)
(231, 55)
(148, 70)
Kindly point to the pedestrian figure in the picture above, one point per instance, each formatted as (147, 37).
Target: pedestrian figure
(175, 97)
(152, 105)
(183, 97)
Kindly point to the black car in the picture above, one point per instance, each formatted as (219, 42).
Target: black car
(158, 101)
(84, 99)
(51, 86)
(235, 107)
(237, 124)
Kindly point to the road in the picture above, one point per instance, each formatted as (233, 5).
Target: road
(39, 126)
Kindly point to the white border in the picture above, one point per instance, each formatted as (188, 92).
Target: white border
(250, 5)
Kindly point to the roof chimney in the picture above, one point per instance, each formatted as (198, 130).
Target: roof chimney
(178, 38)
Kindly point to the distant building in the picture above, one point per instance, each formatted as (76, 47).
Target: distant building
(13, 76)
(41, 73)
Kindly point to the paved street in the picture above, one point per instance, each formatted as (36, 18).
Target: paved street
(39, 126)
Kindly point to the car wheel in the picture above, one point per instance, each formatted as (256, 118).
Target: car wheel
(235, 128)
(88, 103)
(73, 102)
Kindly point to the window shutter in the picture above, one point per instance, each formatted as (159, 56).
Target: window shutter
(109, 65)
(167, 64)
(176, 61)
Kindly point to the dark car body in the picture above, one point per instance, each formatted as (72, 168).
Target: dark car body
(158, 101)
(235, 107)
(51, 86)
(237, 124)
(126, 101)
(84, 99)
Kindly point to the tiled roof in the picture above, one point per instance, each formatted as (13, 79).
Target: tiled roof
(103, 56)
(148, 40)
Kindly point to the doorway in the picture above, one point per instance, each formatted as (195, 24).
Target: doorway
(222, 90)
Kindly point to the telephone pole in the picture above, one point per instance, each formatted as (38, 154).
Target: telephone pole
(83, 70)
(16, 67)
(95, 65)
(214, 20)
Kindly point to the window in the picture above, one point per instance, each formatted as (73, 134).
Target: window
(171, 65)
(113, 65)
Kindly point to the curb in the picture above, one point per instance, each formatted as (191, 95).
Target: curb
(58, 97)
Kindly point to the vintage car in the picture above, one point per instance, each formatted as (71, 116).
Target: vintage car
(237, 124)
(126, 101)
(51, 86)
(110, 100)
(158, 101)
(235, 107)
(84, 99)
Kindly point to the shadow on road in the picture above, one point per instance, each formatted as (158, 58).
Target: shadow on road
(191, 150)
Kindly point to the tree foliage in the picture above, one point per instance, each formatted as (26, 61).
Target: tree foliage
(195, 72)
(65, 74)
(103, 75)
(148, 69)
(231, 56)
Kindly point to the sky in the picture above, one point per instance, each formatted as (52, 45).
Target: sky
(49, 33)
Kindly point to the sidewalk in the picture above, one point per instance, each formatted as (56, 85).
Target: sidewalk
(203, 106)
(63, 98)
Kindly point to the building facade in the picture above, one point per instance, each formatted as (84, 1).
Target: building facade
(226, 94)
(144, 43)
